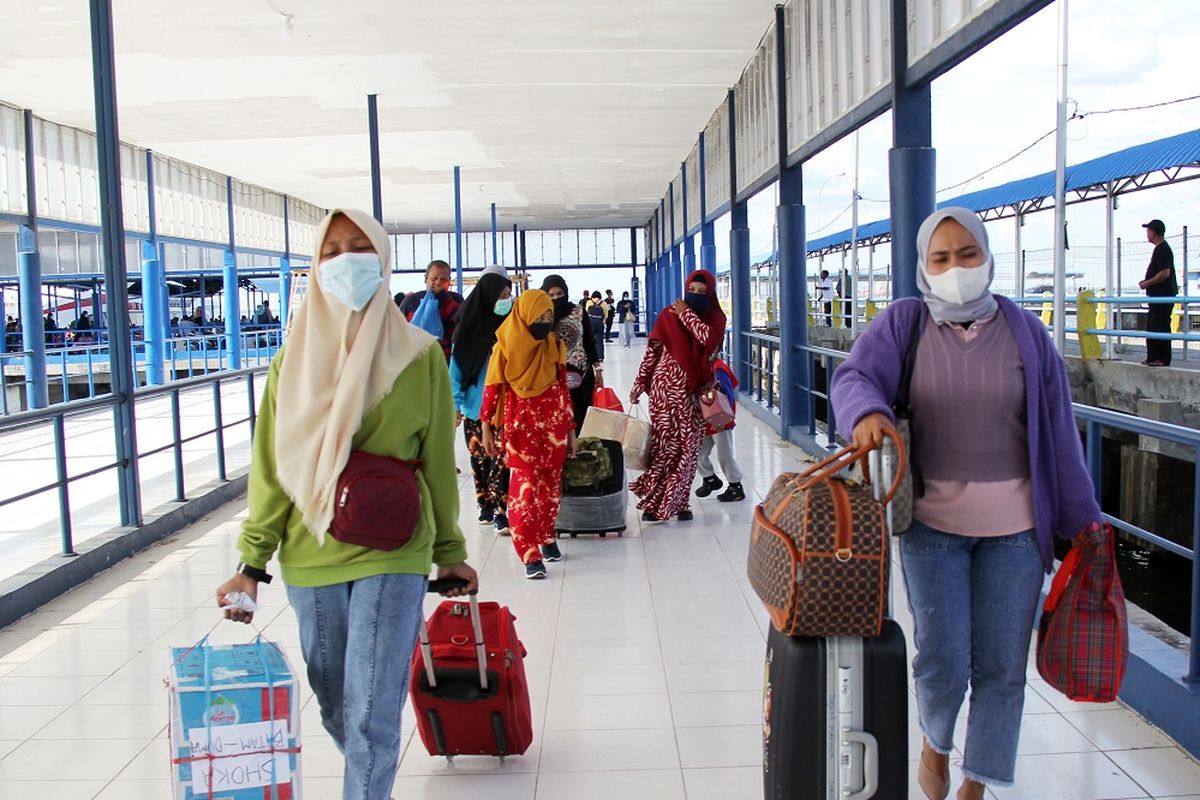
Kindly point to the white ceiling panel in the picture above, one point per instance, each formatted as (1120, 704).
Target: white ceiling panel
(545, 105)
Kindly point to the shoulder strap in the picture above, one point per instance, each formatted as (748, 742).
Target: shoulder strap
(902, 406)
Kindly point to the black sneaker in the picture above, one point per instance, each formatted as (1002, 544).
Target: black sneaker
(487, 514)
(648, 517)
(685, 515)
(501, 523)
(708, 486)
(550, 552)
(732, 494)
(535, 570)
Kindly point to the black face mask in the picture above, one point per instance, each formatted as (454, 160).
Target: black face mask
(540, 330)
(561, 306)
(697, 300)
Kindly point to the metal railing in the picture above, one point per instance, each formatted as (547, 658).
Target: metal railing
(189, 353)
(829, 360)
(1095, 420)
(55, 417)
(764, 369)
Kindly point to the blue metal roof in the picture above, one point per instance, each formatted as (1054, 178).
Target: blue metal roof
(1142, 159)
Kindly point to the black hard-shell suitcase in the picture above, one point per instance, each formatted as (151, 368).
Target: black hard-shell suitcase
(835, 713)
(835, 717)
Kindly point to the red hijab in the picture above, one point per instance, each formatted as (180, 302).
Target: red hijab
(692, 354)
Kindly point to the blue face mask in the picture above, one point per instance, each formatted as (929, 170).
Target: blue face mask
(503, 306)
(351, 278)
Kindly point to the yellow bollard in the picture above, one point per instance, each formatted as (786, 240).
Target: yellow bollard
(1048, 310)
(869, 313)
(1176, 318)
(1086, 316)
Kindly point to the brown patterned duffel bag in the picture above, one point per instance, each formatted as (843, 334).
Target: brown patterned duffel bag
(819, 550)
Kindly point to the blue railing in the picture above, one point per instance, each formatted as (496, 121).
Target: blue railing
(764, 369)
(189, 352)
(1096, 419)
(55, 418)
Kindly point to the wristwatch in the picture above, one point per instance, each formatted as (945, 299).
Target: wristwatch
(260, 575)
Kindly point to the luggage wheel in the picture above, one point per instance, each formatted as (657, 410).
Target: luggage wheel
(603, 534)
(574, 535)
(450, 760)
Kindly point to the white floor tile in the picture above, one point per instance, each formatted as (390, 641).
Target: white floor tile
(657, 784)
(1117, 729)
(708, 709)
(740, 746)
(587, 751)
(730, 676)
(723, 783)
(1067, 776)
(21, 722)
(98, 760)
(121, 789)
(607, 712)
(457, 787)
(628, 679)
(97, 722)
(51, 789)
(1162, 771)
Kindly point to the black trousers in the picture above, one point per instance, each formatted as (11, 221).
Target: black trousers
(1159, 321)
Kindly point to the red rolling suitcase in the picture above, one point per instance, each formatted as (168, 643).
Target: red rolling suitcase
(468, 681)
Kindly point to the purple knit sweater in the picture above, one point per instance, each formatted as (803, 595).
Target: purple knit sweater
(1064, 500)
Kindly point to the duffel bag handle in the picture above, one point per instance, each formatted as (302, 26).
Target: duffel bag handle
(847, 457)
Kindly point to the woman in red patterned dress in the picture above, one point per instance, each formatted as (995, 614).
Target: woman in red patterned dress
(526, 388)
(677, 365)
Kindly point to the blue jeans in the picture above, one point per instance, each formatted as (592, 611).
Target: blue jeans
(357, 639)
(973, 601)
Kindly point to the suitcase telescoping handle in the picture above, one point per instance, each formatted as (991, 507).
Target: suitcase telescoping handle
(438, 587)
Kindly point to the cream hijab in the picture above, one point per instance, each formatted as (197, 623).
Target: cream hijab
(338, 364)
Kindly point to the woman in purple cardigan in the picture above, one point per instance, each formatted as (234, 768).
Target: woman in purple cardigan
(999, 471)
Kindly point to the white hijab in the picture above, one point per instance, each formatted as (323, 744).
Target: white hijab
(338, 364)
(941, 310)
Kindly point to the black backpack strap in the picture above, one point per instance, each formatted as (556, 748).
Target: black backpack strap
(903, 405)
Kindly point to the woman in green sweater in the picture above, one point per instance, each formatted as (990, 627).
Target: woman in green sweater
(355, 377)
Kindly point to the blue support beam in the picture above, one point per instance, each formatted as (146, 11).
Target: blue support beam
(376, 177)
(29, 270)
(233, 322)
(689, 246)
(708, 241)
(153, 313)
(458, 230)
(673, 278)
(911, 161)
(793, 321)
(112, 237)
(495, 239)
(285, 269)
(739, 259)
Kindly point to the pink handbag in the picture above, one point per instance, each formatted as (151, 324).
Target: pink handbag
(715, 407)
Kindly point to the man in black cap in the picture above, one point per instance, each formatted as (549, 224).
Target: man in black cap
(1160, 282)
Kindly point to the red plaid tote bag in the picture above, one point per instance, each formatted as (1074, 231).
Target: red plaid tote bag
(1083, 641)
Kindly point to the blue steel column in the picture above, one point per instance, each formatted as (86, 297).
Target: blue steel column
(689, 245)
(739, 259)
(793, 321)
(112, 237)
(233, 322)
(911, 161)
(673, 279)
(376, 178)
(708, 242)
(285, 269)
(154, 320)
(635, 285)
(29, 271)
(458, 232)
(495, 239)
(516, 237)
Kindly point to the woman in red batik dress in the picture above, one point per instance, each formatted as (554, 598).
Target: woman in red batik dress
(676, 367)
(526, 387)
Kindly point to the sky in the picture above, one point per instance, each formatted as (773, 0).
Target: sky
(1120, 54)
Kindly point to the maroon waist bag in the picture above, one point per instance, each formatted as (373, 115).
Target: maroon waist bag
(378, 502)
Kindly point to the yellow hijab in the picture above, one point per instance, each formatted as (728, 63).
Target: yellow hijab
(338, 364)
(527, 365)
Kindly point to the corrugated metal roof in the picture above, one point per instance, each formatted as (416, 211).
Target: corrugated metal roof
(1143, 159)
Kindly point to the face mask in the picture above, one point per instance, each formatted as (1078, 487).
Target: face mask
(560, 307)
(351, 278)
(503, 306)
(960, 285)
(540, 330)
(697, 300)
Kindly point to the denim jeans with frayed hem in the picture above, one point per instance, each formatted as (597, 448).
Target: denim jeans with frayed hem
(358, 639)
(973, 601)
